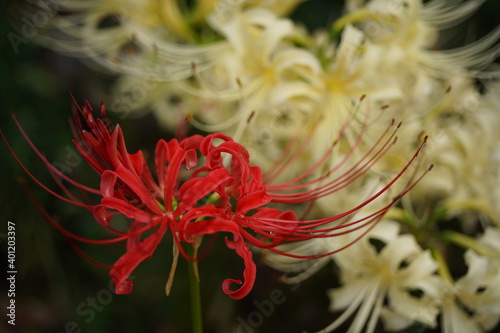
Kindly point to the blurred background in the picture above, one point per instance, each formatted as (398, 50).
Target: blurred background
(56, 289)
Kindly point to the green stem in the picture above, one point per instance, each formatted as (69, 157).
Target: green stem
(350, 18)
(443, 270)
(468, 242)
(194, 290)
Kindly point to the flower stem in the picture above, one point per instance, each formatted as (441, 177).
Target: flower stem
(194, 289)
(350, 18)
(468, 242)
(443, 270)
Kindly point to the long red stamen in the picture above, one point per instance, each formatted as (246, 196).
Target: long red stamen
(287, 158)
(369, 225)
(308, 229)
(44, 159)
(345, 179)
(36, 180)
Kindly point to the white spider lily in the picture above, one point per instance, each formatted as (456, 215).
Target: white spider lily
(472, 304)
(383, 267)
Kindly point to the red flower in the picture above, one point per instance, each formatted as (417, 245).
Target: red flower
(221, 193)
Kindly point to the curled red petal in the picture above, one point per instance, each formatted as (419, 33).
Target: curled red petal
(107, 185)
(101, 215)
(196, 188)
(172, 147)
(112, 149)
(207, 143)
(123, 287)
(195, 229)
(126, 209)
(172, 178)
(192, 142)
(124, 266)
(161, 158)
(252, 201)
(191, 159)
(139, 188)
(191, 217)
(138, 162)
(249, 273)
(256, 181)
(273, 213)
(134, 239)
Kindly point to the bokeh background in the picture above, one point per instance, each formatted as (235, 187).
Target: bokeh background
(56, 289)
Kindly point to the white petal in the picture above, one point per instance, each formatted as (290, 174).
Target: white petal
(401, 249)
(478, 267)
(385, 231)
(454, 320)
(366, 308)
(491, 237)
(393, 321)
(347, 313)
(288, 58)
(422, 309)
(340, 298)
(421, 266)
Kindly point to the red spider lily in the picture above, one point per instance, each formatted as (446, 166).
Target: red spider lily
(221, 193)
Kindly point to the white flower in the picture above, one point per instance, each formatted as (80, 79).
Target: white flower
(384, 266)
(138, 38)
(405, 32)
(172, 105)
(491, 238)
(464, 177)
(473, 303)
(259, 68)
(492, 118)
